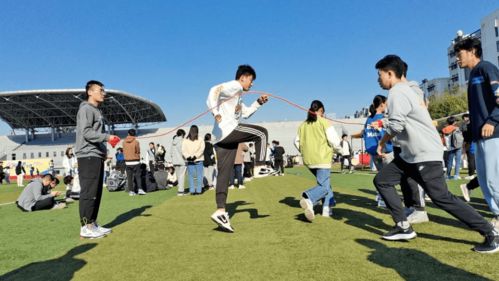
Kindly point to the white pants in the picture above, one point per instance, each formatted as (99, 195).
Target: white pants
(20, 180)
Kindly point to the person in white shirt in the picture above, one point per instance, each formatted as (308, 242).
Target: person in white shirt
(193, 152)
(225, 102)
(69, 162)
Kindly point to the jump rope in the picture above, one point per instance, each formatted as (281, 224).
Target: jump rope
(209, 110)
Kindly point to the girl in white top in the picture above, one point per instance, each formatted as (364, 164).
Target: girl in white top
(193, 152)
(69, 162)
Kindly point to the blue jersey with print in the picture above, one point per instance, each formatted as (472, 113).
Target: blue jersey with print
(372, 136)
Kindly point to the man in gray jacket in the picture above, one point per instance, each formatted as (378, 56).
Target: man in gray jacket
(37, 195)
(420, 157)
(91, 152)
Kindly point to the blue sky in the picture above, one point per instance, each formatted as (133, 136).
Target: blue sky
(172, 52)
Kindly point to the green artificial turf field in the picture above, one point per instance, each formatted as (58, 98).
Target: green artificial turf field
(164, 237)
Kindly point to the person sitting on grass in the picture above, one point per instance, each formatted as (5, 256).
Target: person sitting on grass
(37, 195)
(72, 188)
(171, 178)
(315, 140)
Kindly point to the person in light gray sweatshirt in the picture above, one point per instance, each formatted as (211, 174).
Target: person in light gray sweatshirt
(37, 195)
(91, 152)
(420, 157)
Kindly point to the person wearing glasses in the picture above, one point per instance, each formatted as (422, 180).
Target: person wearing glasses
(91, 152)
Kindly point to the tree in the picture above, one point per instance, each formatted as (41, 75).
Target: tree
(448, 104)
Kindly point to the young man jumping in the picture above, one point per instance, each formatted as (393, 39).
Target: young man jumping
(420, 157)
(225, 101)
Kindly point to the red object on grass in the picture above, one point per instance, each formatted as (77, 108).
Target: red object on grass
(113, 141)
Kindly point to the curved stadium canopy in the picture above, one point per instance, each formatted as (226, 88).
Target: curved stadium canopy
(58, 108)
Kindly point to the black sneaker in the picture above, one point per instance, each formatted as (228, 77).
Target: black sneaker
(398, 233)
(490, 245)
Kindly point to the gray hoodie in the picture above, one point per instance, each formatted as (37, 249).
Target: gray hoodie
(32, 193)
(90, 136)
(410, 122)
(175, 155)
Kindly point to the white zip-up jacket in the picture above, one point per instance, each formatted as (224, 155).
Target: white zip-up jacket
(223, 99)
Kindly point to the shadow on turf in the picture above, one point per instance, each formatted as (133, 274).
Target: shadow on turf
(232, 208)
(62, 268)
(128, 216)
(413, 264)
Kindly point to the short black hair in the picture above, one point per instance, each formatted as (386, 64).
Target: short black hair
(469, 44)
(451, 120)
(466, 115)
(132, 132)
(393, 63)
(207, 137)
(56, 180)
(89, 85)
(344, 135)
(245, 69)
(180, 133)
(67, 179)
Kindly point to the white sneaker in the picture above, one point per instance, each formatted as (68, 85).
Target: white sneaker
(231, 187)
(308, 207)
(222, 219)
(466, 192)
(101, 229)
(418, 217)
(86, 232)
(469, 177)
(131, 193)
(242, 187)
(59, 206)
(69, 200)
(327, 212)
(142, 192)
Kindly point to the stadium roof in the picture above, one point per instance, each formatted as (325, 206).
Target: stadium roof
(58, 108)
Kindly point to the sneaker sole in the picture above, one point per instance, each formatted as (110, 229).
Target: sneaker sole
(308, 211)
(465, 192)
(84, 237)
(400, 237)
(487, 252)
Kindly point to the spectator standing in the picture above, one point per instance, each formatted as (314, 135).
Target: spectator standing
(6, 174)
(242, 149)
(209, 162)
(278, 158)
(192, 150)
(91, 151)
(20, 172)
(120, 160)
(468, 140)
(454, 143)
(151, 157)
(131, 151)
(69, 162)
(177, 159)
(346, 153)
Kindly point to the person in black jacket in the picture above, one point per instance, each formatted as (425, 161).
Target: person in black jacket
(20, 172)
(278, 158)
(470, 156)
(208, 163)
